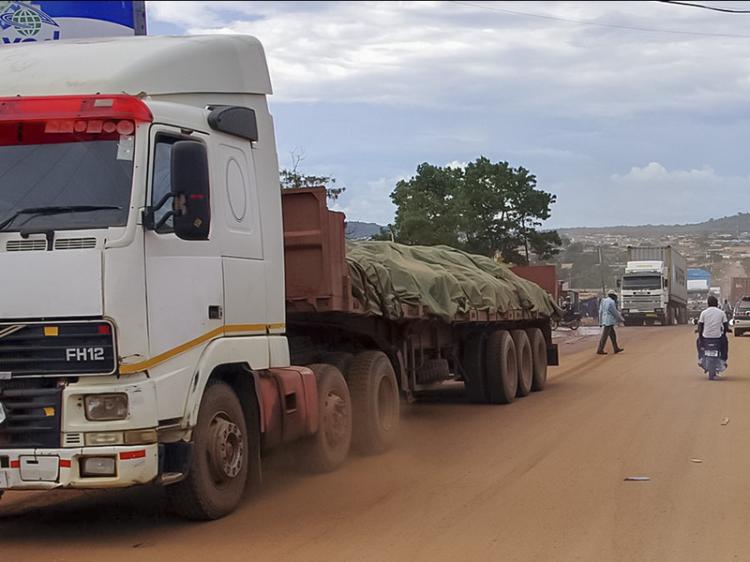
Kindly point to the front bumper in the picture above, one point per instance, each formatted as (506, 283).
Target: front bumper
(134, 465)
(741, 323)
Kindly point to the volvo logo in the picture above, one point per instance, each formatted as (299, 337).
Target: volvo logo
(2, 414)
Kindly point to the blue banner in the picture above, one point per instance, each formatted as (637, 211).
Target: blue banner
(23, 22)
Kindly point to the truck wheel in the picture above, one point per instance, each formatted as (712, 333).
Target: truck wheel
(375, 402)
(539, 353)
(525, 362)
(473, 363)
(339, 359)
(218, 473)
(502, 367)
(328, 448)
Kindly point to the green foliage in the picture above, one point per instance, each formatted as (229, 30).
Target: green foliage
(487, 208)
(292, 179)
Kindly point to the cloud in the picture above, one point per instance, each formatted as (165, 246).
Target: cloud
(420, 53)
(371, 203)
(653, 194)
(625, 126)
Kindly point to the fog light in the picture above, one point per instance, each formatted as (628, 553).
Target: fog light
(98, 466)
(106, 407)
(140, 437)
(103, 438)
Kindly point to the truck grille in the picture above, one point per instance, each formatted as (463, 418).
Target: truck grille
(32, 413)
(641, 303)
(75, 348)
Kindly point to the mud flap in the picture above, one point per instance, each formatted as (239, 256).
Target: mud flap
(553, 357)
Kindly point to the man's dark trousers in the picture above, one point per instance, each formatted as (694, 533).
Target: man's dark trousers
(608, 332)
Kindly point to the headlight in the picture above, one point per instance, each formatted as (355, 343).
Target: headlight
(104, 438)
(106, 407)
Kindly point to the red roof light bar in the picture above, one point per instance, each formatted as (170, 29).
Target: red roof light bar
(32, 108)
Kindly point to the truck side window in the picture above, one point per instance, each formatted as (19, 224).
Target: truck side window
(162, 179)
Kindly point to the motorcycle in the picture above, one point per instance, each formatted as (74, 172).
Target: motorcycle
(710, 357)
(570, 320)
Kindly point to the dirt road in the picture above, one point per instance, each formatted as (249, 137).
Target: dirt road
(542, 480)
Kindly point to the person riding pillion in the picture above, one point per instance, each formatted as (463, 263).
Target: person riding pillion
(609, 316)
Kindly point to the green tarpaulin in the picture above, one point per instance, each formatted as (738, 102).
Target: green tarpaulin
(448, 282)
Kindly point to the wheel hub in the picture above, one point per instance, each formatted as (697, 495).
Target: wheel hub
(335, 418)
(226, 450)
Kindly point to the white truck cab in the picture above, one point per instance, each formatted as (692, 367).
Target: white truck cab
(116, 304)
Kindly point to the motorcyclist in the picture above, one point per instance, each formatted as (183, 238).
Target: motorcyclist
(713, 325)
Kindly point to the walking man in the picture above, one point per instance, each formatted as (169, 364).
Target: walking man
(609, 316)
(727, 308)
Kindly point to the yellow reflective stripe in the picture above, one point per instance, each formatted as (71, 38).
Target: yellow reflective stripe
(218, 332)
(277, 326)
(245, 328)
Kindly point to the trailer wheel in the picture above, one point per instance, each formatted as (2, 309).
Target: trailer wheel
(502, 367)
(539, 354)
(473, 363)
(218, 473)
(525, 362)
(328, 448)
(375, 402)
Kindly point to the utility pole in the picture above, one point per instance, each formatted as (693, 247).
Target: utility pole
(601, 271)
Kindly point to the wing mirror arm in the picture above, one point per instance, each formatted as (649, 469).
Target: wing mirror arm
(150, 212)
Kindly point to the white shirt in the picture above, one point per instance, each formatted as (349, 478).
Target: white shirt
(713, 319)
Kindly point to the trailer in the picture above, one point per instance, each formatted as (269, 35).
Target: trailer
(166, 319)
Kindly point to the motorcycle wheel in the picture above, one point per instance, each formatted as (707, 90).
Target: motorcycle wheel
(575, 324)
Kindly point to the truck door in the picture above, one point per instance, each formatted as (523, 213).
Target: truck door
(184, 285)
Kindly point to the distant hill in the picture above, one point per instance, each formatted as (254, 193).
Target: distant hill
(734, 224)
(356, 230)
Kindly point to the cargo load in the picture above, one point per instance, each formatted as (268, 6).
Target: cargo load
(389, 279)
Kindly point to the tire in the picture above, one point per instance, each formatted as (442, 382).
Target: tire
(339, 359)
(525, 360)
(501, 367)
(473, 363)
(215, 485)
(539, 354)
(375, 402)
(329, 447)
(554, 324)
(575, 325)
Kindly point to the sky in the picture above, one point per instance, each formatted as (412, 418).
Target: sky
(630, 112)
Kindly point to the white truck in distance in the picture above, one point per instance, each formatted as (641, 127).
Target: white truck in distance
(654, 286)
(154, 305)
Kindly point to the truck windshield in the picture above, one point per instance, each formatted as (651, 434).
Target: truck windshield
(43, 168)
(641, 282)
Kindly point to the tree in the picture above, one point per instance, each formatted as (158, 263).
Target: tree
(487, 208)
(292, 178)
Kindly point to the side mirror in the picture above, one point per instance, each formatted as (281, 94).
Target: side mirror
(191, 203)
